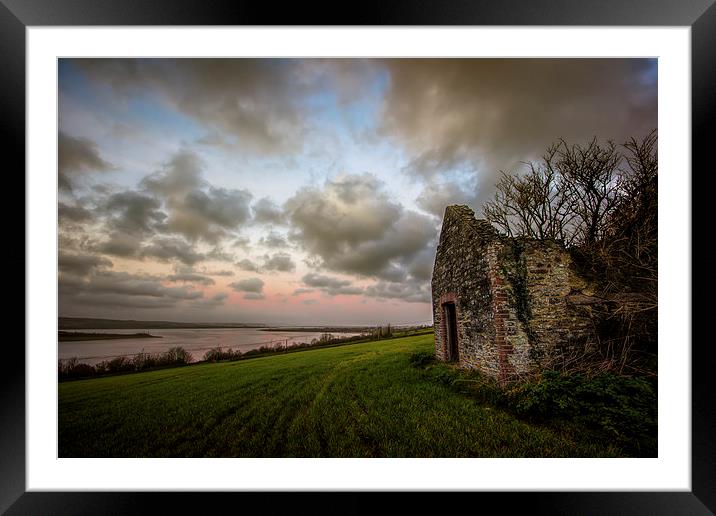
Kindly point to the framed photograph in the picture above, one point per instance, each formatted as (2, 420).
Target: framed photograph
(415, 251)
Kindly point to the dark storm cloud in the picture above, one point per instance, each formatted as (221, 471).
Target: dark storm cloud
(273, 240)
(223, 207)
(487, 114)
(318, 280)
(132, 212)
(212, 302)
(121, 289)
(86, 281)
(174, 210)
(190, 277)
(66, 212)
(81, 264)
(241, 242)
(475, 116)
(219, 254)
(410, 292)
(280, 262)
(421, 267)
(352, 226)
(120, 244)
(218, 298)
(171, 248)
(253, 285)
(196, 210)
(252, 104)
(329, 285)
(180, 175)
(247, 265)
(76, 156)
(111, 282)
(267, 211)
(221, 272)
(389, 256)
(436, 196)
(116, 301)
(187, 274)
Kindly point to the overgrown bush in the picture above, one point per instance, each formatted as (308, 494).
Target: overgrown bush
(617, 408)
(422, 358)
(72, 368)
(601, 201)
(613, 409)
(143, 361)
(218, 354)
(176, 355)
(120, 364)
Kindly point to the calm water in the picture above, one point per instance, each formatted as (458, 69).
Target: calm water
(196, 341)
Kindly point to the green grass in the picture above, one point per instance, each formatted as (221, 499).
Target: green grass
(359, 400)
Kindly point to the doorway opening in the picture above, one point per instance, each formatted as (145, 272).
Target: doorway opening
(450, 315)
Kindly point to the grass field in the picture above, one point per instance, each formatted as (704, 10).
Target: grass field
(358, 400)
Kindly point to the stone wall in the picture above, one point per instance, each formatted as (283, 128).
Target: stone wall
(461, 275)
(510, 295)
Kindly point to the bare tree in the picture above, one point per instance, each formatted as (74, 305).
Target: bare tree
(568, 195)
(601, 201)
(592, 181)
(630, 244)
(535, 204)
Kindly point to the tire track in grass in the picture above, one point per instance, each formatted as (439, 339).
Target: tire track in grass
(259, 429)
(313, 417)
(359, 416)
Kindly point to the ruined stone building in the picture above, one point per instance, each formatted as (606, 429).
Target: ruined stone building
(502, 304)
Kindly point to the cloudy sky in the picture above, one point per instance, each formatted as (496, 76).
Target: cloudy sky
(300, 191)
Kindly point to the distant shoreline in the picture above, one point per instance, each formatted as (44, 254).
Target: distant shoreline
(322, 329)
(89, 323)
(72, 336)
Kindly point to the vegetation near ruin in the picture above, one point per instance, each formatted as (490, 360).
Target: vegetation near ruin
(383, 398)
(600, 201)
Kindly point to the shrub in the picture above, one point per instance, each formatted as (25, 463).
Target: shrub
(422, 358)
(72, 368)
(65, 367)
(444, 376)
(71, 363)
(176, 355)
(618, 408)
(83, 370)
(480, 387)
(120, 364)
(213, 355)
(142, 361)
(217, 354)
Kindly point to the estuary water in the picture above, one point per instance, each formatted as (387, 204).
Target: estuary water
(197, 341)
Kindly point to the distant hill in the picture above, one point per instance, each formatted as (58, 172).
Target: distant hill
(88, 323)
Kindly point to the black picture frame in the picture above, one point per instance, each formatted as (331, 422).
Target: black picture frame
(17, 15)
